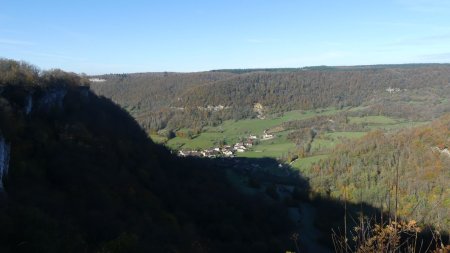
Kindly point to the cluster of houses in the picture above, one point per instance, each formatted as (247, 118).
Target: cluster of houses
(210, 153)
(227, 150)
(224, 151)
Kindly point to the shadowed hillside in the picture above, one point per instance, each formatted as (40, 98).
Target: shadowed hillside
(80, 175)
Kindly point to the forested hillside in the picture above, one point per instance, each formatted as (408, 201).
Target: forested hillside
(150, 97)
(196, 100)
(80, 175)
(316, 89)
(411, 165)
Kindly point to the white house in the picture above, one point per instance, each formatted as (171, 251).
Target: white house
(227, 153)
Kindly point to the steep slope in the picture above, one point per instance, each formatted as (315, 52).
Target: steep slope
(193, 100)
(150, 97)
(80, 175)
(151, 90)
(411, 166)
(320, 88)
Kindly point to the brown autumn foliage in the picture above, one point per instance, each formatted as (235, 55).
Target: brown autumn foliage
(177, 100)
(365, 169)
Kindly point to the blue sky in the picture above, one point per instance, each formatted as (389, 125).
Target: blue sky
(120, 36)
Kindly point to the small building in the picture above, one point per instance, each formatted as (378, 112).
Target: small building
(227, 153)
(267, 136)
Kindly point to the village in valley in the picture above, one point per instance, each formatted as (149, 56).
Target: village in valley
(228, 150)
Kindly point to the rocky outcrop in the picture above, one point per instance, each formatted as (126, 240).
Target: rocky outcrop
(4, 160)
(53, 97)
(29, 104)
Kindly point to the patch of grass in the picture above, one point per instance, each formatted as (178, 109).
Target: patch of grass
(273, 150)
(384, 122)
(232, 130)
(349, 135)
(322, 144)
(202, 141)
(373, 120)
(358, 108)
(404, 124)
(327, 141)
(305, 163)
(158, 138)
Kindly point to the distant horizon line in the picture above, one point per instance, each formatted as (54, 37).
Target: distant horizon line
(247, 70)
(281, 69)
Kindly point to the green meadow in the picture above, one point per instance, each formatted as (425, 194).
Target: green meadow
(304, 163)
(230, 132)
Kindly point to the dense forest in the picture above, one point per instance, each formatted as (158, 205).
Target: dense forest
(80, 175)
(150, 97)
(195, 100)
(411, 166)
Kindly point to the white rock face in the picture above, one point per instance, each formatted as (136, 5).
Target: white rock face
(393, 90)
(53, 97)
(445, 152)
(97, 80)
(29, 105)
(4, 160)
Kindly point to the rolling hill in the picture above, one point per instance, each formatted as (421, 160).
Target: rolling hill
(196, 100)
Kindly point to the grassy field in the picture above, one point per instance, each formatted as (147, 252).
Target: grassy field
(383, 122)
(372, 120)
(304, 163)
(275, 150)
(158, 138)
(230, 132)
(401, 125)
(202, 141)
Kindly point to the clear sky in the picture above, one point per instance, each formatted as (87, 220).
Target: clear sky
(117, 36)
